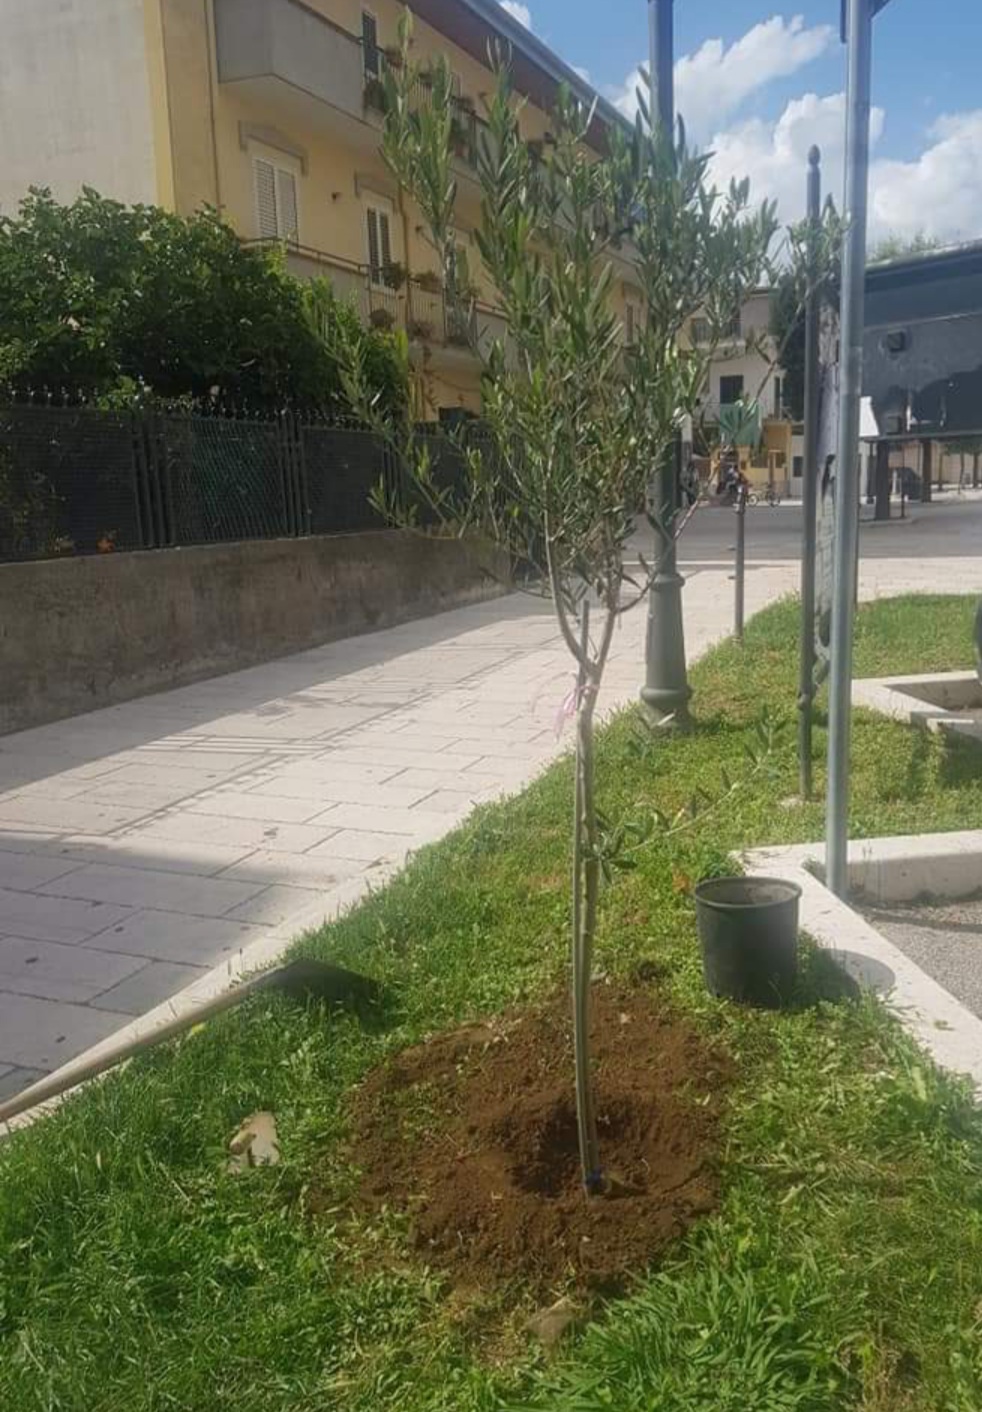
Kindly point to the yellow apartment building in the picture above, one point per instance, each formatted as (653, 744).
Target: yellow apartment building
(269, 111)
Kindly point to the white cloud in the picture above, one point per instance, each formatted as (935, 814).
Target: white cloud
(775, 154)
(716, 80)
(518, 12)
(938, 192)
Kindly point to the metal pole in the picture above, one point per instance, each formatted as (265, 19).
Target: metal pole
(860, 36)
(666, 690)
(809, 488)
(741, 563)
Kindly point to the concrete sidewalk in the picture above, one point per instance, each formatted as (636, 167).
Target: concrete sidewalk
(142, 845)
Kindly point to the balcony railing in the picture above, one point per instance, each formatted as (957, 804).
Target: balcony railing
(465, 123)
(435, 315)
(386, 299)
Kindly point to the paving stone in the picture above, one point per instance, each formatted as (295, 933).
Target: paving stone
(150, 985)
(146, 797)
(364, 845)
(44, 1034)
(25, 871)
(319, 869)
(181, 770)
(407, 756)
(382, 796)
(67, 815)
(437, 779)
(456, 801)
(306, 780)
(158, 854)
(191, 829)
(37, 918)
(54, 972)
(14, 1079)
(380, 819)
(266, 808)
(171, 936)
(163, 891)
(275, 905)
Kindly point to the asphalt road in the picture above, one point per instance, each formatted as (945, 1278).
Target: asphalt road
(951, 526)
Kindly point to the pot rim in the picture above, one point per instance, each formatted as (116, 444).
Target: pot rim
(703, 892)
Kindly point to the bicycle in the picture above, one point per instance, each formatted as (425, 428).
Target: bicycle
(769, 496)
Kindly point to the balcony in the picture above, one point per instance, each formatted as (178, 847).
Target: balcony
(386, 299)
(279, 48)
(465, 125)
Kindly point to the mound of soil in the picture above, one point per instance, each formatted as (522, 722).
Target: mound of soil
(474, 1133)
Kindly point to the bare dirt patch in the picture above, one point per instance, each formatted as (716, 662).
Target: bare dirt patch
(474, 1134)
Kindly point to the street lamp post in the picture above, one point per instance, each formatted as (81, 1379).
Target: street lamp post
(666, 689)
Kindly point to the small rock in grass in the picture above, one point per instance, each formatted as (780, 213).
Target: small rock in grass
(255, 1144)
(550, 1325)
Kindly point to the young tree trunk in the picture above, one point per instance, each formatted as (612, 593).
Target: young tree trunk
(586, 893)
(584, 916)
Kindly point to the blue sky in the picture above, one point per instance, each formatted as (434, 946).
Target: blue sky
(760, 79)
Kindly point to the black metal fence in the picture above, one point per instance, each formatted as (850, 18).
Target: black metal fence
(78, 480)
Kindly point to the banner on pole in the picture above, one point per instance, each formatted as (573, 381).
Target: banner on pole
(828, 439)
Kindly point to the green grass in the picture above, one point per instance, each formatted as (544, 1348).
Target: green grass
(842, 1271)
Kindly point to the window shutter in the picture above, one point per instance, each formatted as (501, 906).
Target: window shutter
(374, 259)
(369, 42)
(385, 242)
(629, 323)
(286, 205)
(266, 199)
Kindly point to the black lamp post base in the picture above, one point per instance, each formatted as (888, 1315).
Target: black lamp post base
(666, 694)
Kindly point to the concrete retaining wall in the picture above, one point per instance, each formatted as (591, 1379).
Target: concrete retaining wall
(76, 634)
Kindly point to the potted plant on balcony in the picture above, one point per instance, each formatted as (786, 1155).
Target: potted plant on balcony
(393, 275)
(460, 137)
(382, 318)
(374, 94)
(429, 282)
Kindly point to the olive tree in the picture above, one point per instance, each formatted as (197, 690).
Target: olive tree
(575, 422)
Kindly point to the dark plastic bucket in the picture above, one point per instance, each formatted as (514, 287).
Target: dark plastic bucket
(748, 928)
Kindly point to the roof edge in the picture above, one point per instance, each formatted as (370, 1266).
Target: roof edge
(535, 49)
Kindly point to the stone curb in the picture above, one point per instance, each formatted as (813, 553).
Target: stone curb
(950, 1033)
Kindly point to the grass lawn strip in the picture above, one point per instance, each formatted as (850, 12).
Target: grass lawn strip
(842, 1268)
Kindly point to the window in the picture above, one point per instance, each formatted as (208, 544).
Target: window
(730, 389)
(778, 397)
(276, 201)
(700, 332)
(371, 57)
(629, 324)
(379, 224)
(797, 466)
